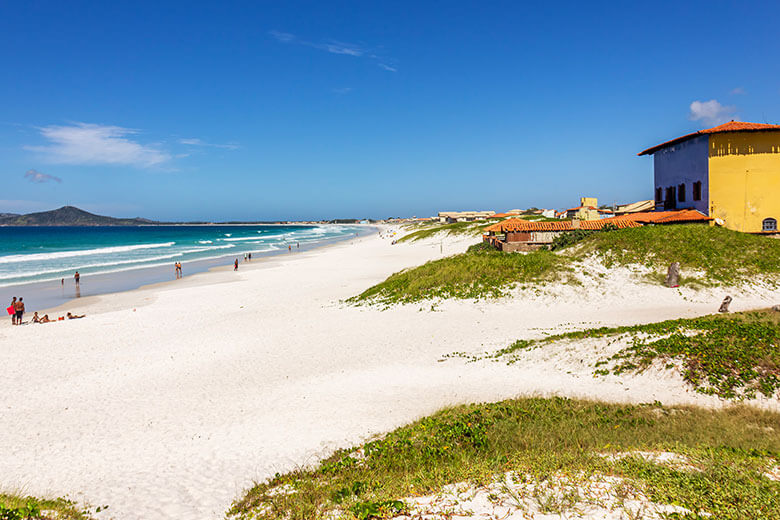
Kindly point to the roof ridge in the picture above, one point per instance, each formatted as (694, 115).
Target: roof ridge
(731, 126)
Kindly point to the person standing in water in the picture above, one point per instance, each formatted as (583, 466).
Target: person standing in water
(77, 278)
(235, 265)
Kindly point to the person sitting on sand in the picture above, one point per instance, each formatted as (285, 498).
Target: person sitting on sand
(35, 318)
(75, 316)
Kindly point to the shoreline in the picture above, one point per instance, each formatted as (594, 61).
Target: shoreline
(108, 283)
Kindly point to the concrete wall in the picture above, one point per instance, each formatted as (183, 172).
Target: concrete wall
(685, 163)
(745, 178)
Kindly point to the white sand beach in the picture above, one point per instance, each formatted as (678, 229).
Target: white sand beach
(168, 401)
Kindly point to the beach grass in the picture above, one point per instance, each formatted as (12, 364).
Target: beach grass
(480, 272)
(708, 256)
(542, 440)
(733, 356)
(428, 230)
(722, 255)
(19, 507)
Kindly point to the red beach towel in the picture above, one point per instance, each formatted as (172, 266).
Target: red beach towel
(10, 309)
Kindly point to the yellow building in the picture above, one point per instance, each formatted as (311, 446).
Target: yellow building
(730, 172)
(588, 210)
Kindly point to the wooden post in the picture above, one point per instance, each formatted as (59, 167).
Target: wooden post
(673, 275)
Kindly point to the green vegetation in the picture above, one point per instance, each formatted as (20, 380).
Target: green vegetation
(732, 356)
(13, 507)
(723, 255)
(456, 228)
(481, 272)
(542, 440)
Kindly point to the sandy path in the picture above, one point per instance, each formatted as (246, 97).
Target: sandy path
(167, 402)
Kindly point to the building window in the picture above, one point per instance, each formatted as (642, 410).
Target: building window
(769, 224)
(697, 190)
(670, 200)
(681, 193)
(659, 194)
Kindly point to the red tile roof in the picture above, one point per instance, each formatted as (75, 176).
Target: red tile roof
(630, 220)
(518, 224)
(731, 126)
(665, 217)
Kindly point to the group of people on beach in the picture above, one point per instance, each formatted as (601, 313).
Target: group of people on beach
(177, 268)
(16, 310)
(46, 319)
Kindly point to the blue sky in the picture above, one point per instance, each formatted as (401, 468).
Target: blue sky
(288, 110)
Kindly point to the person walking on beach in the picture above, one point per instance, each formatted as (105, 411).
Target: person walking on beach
(77, 277)
(250, 257)
(19, 307)
(289, 248)
(298, 245)
(235, 265)
(12, 310)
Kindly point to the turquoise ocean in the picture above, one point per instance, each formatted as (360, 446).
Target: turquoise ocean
(40, 257)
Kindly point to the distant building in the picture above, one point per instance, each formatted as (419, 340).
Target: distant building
(730, 172)
(588, 210)
(635, 207)
(464, 216)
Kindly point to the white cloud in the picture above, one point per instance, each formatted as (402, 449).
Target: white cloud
(40, 177)
(341, 48)
(199, 142)
(738, 91)
(710, 112)
(85, 143)
(282, 36)
(331, 46)
(343, 90)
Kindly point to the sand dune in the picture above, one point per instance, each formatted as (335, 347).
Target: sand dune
(168, 401)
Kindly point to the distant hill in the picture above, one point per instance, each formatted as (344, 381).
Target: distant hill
(69, 216)
(4, 215)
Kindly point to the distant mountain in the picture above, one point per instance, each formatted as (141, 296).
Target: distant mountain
(69, 216)
(3, 215)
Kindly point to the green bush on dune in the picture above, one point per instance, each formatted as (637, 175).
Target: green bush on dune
(480, 272)
(722, 256)
(14, 507)
(733, 356)
(456, 228)
(542, 440)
